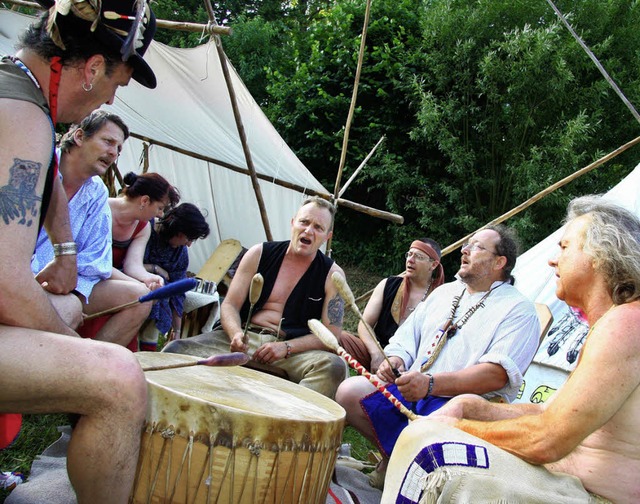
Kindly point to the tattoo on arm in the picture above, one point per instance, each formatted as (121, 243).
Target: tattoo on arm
(18, 199)
(335, 310)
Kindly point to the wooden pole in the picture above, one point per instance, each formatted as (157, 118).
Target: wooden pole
(531, 200)
(241, 132)
(542, 194)
(605, 74)
(398, 219)
(145, 157)
(209, 28)
(359, 168)
(347, 128)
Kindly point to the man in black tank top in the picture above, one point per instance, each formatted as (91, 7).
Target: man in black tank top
(393, 300)
(297, 287)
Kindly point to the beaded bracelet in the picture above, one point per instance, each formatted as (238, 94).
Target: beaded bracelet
(288, 349)
(66, 248)
(430, 385)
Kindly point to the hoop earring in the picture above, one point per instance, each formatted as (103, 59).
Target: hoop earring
(87, 88)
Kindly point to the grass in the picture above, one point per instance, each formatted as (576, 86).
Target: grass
(39, 431)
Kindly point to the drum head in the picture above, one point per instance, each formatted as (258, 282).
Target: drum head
(204, 399)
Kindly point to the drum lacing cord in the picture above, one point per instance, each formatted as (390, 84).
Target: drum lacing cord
(186, 457)
(167, 434)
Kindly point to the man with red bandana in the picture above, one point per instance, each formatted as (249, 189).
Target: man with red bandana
(393, 300)
(297, 287)
(477, 334)
(582, 444)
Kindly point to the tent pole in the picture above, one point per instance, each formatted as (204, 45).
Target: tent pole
(240, 126)
(543, 193)
(160, 23)
(398, 219)
(347, 128)
(359, 168)
(145, 157)
(595, 60)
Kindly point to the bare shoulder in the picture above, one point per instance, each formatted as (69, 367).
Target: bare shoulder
(246, 269)
(329, 285)
(380, 287)
(618, 330)
(25, 130)
(334, 268)
(251, 258)
(613, 344)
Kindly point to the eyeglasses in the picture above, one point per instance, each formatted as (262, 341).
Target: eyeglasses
(417, 257)
(471, 247)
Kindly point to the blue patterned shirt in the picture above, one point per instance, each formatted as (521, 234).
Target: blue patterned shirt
(90, 217)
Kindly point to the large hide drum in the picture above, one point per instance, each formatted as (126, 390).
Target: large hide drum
(233, 435)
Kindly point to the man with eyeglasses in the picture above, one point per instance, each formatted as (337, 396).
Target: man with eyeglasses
(581, 445)
(475, 335)
(393, 300)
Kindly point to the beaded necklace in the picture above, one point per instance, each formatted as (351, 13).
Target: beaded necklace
(424, 296)
(54, 83)
(450, 328)
(18, 62)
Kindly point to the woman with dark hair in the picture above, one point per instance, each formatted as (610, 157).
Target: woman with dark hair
(167, 255)
(143, 197)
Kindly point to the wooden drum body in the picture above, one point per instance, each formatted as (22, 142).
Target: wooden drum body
(233, 435)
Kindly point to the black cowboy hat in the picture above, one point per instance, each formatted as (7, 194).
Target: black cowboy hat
(127, 26)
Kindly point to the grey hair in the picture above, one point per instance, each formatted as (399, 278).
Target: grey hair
(322, 203)
(90, 125)
(612, 239)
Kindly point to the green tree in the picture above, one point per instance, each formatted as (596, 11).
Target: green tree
(483, 105)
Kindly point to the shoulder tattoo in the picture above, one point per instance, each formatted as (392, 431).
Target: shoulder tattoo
(18, 199)
(335, 310)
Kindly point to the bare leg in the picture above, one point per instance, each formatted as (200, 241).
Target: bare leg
(123, 326)
(48, 373)
(69, 307)
(349, 394)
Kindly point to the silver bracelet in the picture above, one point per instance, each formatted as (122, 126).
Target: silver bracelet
(430, 385)
(66, 248)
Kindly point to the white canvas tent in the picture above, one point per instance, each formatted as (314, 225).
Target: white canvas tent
(557, 355)
(191, 110)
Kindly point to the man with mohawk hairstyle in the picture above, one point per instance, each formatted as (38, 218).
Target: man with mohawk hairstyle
(69, 62)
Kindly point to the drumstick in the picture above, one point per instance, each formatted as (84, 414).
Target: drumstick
(329, 340)
(173, 289)
(221, 360)
(347, 294)
(255, 289)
